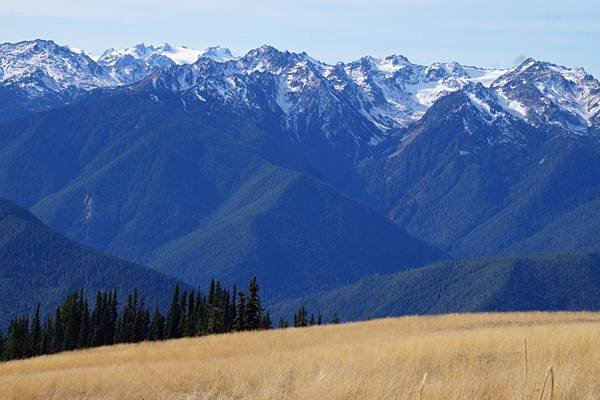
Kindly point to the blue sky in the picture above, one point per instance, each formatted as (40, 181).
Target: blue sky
(485, 33)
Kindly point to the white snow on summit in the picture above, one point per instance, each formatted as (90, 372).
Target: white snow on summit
(539, 91)
(135, 63)
(394, 92)
(378, 94)
(42, 66)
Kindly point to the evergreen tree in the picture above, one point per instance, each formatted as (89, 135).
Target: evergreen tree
(300, 318)
(140, 323)
(47, 337)
(227, 316)
(58, 337)
(97, 324)
(157, 326)
(111, 317)
(84, 327)
(71, 319)
(189, 328)
(183, 308)
(2, 342)
(174, 316)
(36, 333)
(239, 322)
(216, 308)
(266, 322)
(282, 323)
(335, 319)
(253, 308)
(232, 310)
(201, 315)
(17, 340)
(126, 329)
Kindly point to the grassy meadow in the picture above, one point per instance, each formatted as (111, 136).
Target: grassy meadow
(469, 356)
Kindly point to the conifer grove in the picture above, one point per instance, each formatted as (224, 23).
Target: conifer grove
(77, 325)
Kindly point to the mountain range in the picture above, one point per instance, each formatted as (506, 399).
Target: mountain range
(313, 176)
(566, 282)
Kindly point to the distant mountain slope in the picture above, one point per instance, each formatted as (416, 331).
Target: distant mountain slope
(296, 234)
(564, 282)
(40, 265)
(140, 176)
(477, 180)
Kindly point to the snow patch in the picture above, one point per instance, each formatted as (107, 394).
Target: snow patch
(88, 208)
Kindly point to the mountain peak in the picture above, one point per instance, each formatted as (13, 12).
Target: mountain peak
(269, 58)
(34, 46)
(439, 70)
(267, 48)
(556, 97)
(219, 54)
(528, 62)
(166, 47)
(141, 47)
(43, 66)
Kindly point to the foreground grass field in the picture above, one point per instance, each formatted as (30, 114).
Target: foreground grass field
(479, 356)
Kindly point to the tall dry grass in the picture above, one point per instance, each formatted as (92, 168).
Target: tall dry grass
(480, 356)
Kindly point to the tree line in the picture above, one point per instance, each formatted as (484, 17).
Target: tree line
(76, 325)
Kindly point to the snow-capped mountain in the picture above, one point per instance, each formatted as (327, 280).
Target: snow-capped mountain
(392, 92)
(549, 95)
(135, 63)
(389, 92)
(362, 100)
(40, 67)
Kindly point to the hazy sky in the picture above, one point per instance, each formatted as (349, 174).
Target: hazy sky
(487, 33)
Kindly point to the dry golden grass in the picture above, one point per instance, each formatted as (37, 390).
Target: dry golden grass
(479, 356)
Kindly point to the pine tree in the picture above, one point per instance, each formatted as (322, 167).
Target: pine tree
(227, 316)
(71, 318)
(17, 340)
(216, 308)
(183, 308)
(97, 323)
(36, 333)
(201, 315)
(48, 337)
(58, 337)
(85, 326)
(111, 317)
(335, 319)
(232, 310)
(300, 319)
(157, 326)
(282, 323)
(239, 322)
(126, 328)
(140, 323)
(174, 316)
(253, 308)
(190, 320)
(2, 343)
(266, 322)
